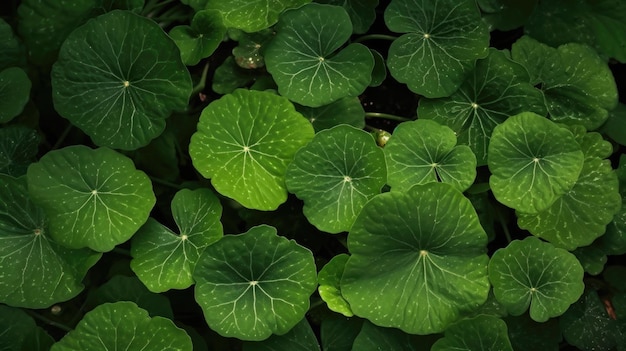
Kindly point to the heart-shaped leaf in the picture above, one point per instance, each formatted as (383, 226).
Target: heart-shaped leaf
(14, 92)
(485, 333)
(93, 198)
(164, 260)
(123, 326)
(113, 85)
(18, 148)
(329, 279)
(418, 259)
(254, 284)
(201, 38)
(252, 136)
(251, 15)
(36, 271)
(424, 151)
(304, 61)
(534, 273)
(443, 40)
(335, 175)
(533, 161)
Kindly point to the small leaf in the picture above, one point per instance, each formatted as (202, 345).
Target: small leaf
(254, 284)
(93, 198)
(248, 52)
(485, 333)
(123, 326)
(424, 151)
(505, 15)
(534, 273)
(343, 111)
(18, 148)
(338, 333)
(335, 175)
(304, 60)
(253, 136)
(19, 330)
(329, 279)
(379, 72)
(14, 92)
(251, 16)
(362, 12)
(201, 38)
(164, 260)
(300, 337)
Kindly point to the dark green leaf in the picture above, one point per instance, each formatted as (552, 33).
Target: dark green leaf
(481, 333)
(343, 111)
(14, 92)
(251, 15)
(300, 337)
(201, 38)
(362, 12)
(18, 148)
(587, 325)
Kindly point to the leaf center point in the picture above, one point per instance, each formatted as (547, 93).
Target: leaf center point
(536, 159)
(37, 231)
(254, 282)
(246, 149)
(126, 84)
(347, 179)
(426, 36)
(321, 59)
(423, 253)
(474, 105)
(94, 192)
(184, 237)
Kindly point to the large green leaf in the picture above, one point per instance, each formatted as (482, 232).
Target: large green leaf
(200, 39)
(118, 77)
(14, 92)
(329, 279)
(254, 284)
(424, 151)
(337, 333)
(36, 272)
(533, 161)
(362, 12)
(304, 61)
(124, 326)
(93, 197)
(18, 148)
(534, 273)
(252, 15)
(300, 337)
(164, 260)
(418, 259)
(443, 40)
(481, 333)
(496, 89)
(335, 175)
(18, 331)
(244, 142)
(578, 85)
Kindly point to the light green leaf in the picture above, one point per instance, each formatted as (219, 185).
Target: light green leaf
(93, 197)
(479, 333)
(329, 278)
(362, 12)
(164, 260)
(252, 15)
(533, 161)
(496, 88)
(347, 110)
(300, 337)
(424, 151)
(418, 259)
(254, 284)
(244, 142)
(14, 92)
(443, 40)
(18, 148)
(201, 38)
(20, 332)
(36, 271)
(124, 326)
(335, 175)
(113, 85)
(534, 273)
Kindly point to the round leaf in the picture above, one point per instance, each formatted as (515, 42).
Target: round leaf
(199, 40)
(163, 260)
(329, 279)
(418, 259)
(335, 175)
(14, 92)
(251, 16)
(254, 284)
(362, 12)
(244, 142)
(36, 271)
(343, 111)
(338, 333)
(93, 198)
(300, 337)
(536, 274)
(118, 77)
(479, 333)
(123, 326)
(533, 161)
(443, 39)
(18, 148)
(304, 61)
(424, 151)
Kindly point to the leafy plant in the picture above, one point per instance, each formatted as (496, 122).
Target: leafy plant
(245, 175)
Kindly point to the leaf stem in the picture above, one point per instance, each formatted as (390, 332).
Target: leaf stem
(375, 37)
(386, 116)
(48, 321)
(166, 183)
(202, 83)
(507, 234)
(62, 136)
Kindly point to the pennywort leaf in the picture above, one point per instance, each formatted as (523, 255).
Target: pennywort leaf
(329, 279)
(18, 148)
(200, 38)
(487, 333)
(251, 15)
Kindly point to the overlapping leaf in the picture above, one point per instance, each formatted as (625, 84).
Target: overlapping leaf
(93, 197)
(300, 337)
(251, 15)
(18, 148)
(164, 260)
(20, 332)
(335, 175)
(343, 111)
(329, 279)
(11, 49)
(362, 12)
(485, 333)
(506, 15)
(200, 38)
(14, 92)
(417, 259)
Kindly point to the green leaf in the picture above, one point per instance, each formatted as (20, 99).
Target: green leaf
(424, 151)
(442, 42)
(230, 76)
(115, 88)
(36, 271)
(252, 136)
(329, 279)
(362, 12)
(93, 197)
(123, 326)
(304, 60)
(592, 258)
(615, 126)
(373, 338)
(533, 161)
(252, 15)
(418, 259)
(335, 175)
(578, 85)
(338, 333)
(18, 148)
(300, 337)
(478, 333)
(201, 38)
(534, 273)
(254, 284)
(379, 72)
(347, 110)
(526, 334)
(14, 92)
(505, 15)
(614, 276)
(19, 331)
(496, 88)
(248, 52)
(11, 49)
(164, 260)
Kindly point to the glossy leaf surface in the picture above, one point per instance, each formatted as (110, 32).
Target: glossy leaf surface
(343, 111)
(329, 279)
(485, 333)
(362, 12)
(200, 39)
(251, 15)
